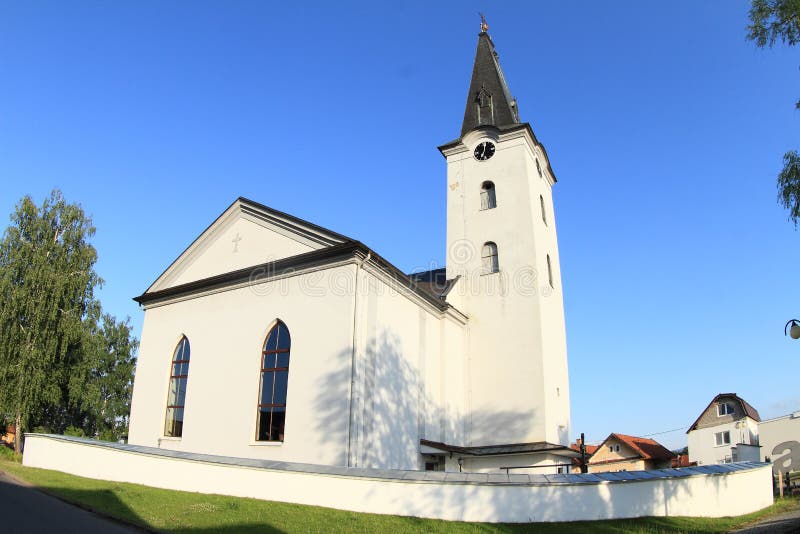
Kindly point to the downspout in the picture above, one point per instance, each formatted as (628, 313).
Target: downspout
(359, 265)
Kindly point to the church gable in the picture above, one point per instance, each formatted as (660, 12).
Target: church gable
(245, 235)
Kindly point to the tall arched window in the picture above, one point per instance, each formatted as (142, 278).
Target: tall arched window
(544, 213)
(177, 389)
(488, 198)
(489, 258)
(274, 381)
(549, 272)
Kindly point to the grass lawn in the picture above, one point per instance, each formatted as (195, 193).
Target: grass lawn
(178, 511)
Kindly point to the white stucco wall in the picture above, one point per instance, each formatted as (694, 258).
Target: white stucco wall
(451, 496)
(238, 239)
(408, 375)
(226, 332)
(406, 370)
(253, 243)
(540, 464)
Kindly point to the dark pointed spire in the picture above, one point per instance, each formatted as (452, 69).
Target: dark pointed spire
(489, 102)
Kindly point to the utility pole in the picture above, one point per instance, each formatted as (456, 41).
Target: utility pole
(584, 467)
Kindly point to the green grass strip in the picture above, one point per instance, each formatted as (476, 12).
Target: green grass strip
(180, 511)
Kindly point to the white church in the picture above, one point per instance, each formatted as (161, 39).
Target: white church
(328, 354)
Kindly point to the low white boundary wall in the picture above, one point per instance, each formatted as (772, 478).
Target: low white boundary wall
(709, 491)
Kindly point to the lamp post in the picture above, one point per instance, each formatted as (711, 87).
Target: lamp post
(792, 328)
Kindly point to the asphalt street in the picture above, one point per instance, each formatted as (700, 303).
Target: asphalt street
(26, 510)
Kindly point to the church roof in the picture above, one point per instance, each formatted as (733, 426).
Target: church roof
(488, 80)
(434, 281)
(334, 247)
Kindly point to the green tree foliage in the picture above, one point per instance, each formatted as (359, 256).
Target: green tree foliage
(62, 363)
(105, 383)
(789, 185)
(779, 21)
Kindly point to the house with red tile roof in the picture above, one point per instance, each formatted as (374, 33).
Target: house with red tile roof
(620, 452)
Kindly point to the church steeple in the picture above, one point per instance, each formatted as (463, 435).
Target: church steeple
(489, 102)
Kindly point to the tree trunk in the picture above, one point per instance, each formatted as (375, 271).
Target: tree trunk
(18, 435)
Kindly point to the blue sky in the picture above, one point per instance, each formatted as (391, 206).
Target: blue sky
(664, 126)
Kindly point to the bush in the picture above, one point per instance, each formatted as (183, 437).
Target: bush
(7, 453)
(74, 431)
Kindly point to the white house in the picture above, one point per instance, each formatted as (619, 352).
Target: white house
(273, 338)
(726, 431)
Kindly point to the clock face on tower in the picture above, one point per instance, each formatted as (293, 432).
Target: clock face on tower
(484, 151)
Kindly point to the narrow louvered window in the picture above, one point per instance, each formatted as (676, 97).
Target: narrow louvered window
(488, 197)
(483, 102)
(489, 258)
(544, 213)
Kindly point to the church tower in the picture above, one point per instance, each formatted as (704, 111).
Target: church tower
(502, 247)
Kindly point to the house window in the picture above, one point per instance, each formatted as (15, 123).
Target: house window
(544, 213)
(489, 258)
(549, 272)
(179, 372)
(488, 198)
(274, 382)
(725, 409)
(722, 438)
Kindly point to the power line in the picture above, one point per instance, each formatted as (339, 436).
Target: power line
(664, 432)
(599, 441)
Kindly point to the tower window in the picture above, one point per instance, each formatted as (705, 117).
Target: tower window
(488, 198)
(274, 382)
(550, 272)
(483, 101)
(489, 258)
(179, 373)
(538, 168)
(544, 213)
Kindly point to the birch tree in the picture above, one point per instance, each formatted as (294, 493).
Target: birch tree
(47, 282)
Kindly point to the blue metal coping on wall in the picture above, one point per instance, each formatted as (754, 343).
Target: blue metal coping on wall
(518, 479)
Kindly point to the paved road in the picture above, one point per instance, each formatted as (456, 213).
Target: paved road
(785, 523)
(26, 510)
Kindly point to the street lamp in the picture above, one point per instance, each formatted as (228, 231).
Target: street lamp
(793, 330)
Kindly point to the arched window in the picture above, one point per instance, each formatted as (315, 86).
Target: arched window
(177, 389)
(538, 168)
(274, 381)
(544, 213)
(488, 198)
(549, 271)
(489, 258)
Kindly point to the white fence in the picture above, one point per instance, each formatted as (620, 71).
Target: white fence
(708, 491)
